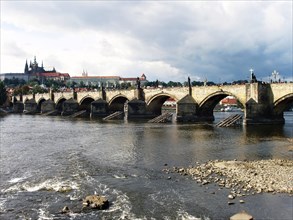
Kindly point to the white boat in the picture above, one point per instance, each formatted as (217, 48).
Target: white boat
(231, 109)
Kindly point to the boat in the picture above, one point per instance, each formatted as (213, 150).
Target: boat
(231, 109)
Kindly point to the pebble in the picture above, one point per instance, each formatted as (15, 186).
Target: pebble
(245, 177)
(231, 196)
(65, 210)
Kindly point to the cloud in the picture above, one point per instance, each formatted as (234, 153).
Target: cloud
(167, 40)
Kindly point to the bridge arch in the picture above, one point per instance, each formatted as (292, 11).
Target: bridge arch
(39, 103)
(155, 103)
(207, 105)
(282, 104)
(85, 103)
(59, 104)
(117, 103)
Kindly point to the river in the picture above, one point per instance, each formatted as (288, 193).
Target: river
(51, 162)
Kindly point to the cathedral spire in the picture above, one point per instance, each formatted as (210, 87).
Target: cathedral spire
(26, 68)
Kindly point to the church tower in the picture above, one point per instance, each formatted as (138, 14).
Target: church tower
(26, 68)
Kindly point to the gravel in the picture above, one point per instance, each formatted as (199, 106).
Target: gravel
(244, 177)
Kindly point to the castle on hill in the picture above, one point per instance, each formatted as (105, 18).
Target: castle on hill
(34, 68)
(34, 71)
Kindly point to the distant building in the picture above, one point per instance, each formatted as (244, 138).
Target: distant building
(229, 100)
(170, 102)
(53, 76)
(133, 81)
(106, 81)
(34, 71)
(20, 76)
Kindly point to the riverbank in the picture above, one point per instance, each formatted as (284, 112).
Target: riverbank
(244, 177)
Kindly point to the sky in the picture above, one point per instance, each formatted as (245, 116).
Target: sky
(217, 41)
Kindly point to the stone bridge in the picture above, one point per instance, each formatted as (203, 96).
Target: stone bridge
(262, 103)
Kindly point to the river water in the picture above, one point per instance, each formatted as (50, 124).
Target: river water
(51, 162)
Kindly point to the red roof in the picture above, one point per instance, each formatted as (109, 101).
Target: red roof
(129, 79)
(132, 78)
(52, 74)
(230, 101)
(93, 77)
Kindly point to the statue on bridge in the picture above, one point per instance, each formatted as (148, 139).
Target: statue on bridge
(103, 92)
(252, 76)
(189, 86)
(137, 83)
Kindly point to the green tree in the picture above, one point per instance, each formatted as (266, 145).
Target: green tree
(21, 90)
(38, 89)
(13, 82)
(81, 84)
(3, 93)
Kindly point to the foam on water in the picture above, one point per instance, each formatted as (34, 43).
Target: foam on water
(120, 208)
(2, 204)
(49, 185)
(16, 180)
(44, 215)
(119, 176)
(183, 215)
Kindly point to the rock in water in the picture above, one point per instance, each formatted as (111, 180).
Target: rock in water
(241, 216)
(65, 210)
(95, 202)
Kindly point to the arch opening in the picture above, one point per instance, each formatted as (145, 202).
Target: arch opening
(161, 103)
(117, 104)
(224, 102)
(40, 104)
(85, 104)
(59, 105)
(282, 105)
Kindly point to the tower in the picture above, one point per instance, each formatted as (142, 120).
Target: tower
(26, 68)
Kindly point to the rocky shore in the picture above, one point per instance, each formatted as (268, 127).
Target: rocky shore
(244, 177)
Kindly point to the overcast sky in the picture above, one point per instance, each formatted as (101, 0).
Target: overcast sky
(167, 40)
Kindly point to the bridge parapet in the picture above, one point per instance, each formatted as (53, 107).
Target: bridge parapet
(202, 93)
(62, 95)
(39, 97)
(25, 97)
(177, 93)
(88, 94)
(129, 94)
(280, 90)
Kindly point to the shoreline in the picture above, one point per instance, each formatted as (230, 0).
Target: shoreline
(243, 178)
